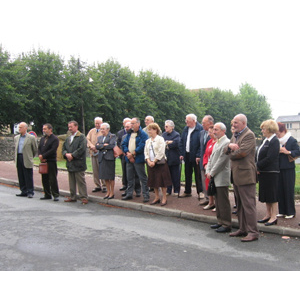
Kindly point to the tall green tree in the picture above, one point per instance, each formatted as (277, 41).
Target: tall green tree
(42, 86)
(254, 106)
(168, 99)
(12, 102)
(221, 105)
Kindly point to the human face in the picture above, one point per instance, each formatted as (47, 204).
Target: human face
(190, 122)
(206, 124)
(148, 121)
(127, 126)
(46, 130)
(211, 132)
(104, 130)
(72, 128)
(135, 125)
(265, 132)
(218, 132)
(280, 134)
(152, 132)
(22, 128)
(237, 124)
(98, 124)
(168, 128)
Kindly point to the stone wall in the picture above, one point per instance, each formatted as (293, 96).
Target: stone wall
(7, 148)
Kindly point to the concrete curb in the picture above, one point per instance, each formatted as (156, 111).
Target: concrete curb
(169, 212)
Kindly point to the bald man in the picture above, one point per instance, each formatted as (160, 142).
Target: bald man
(241, 151)
(25, 150)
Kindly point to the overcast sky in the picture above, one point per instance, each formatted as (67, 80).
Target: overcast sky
(211, 43)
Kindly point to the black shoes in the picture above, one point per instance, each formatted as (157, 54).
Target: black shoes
(271, 223)
(21, 195)
(96, 190)
(123, 188)
(223, 229)
(127, 198)
(263, 220)
(45, 198)
(124, 194)
(215, 226)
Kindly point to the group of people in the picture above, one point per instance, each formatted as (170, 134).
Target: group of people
(216, 161)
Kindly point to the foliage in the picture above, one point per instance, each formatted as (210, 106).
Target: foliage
(39, 87)
(224, 105)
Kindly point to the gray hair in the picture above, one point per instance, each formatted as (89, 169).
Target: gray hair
(98, 118)
(170, 123)
(192, 116)
(106, 125)
(150, 118)
(222, 126)
(126, 120)
(209, 118)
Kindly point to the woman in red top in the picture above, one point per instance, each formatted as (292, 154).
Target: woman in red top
(208, 150)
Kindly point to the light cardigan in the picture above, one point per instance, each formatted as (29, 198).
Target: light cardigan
(159, 147)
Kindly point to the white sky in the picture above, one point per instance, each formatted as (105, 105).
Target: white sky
(211, 43)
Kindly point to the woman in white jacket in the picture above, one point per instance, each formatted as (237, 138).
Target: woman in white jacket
(158, 171)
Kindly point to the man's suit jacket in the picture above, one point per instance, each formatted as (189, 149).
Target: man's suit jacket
(78, 150)
(219, 164)
(106, 152)
(203, 147)
(91, 138)
(30, 149)
(243, 160)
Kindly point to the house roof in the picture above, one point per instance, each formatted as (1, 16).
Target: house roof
(284, 119)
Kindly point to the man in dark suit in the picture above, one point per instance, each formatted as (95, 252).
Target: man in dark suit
(207, 121)
(47, 151)
(74, 151)
(120, 135)
(25, 151)
(241, 151)
(189, 148)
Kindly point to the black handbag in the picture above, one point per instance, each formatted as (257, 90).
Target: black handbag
(211, 189)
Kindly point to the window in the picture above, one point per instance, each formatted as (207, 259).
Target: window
(289, 125)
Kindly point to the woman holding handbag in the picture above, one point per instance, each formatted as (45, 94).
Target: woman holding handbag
(105, 144)
(289, 151)
(157, 167)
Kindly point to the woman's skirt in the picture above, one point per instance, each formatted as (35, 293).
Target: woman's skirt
(107, 169)
(159, 176)
(268, 187)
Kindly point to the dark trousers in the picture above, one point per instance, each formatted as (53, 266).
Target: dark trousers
(124, 175)
(286, 192)
(175, 176)
(49, 180)
(189, 168)
(25, 176)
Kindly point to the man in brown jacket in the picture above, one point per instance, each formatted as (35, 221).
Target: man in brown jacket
(241, 151)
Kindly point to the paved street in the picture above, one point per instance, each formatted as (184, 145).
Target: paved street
(48, 235)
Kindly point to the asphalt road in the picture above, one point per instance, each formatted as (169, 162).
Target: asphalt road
(48, 235)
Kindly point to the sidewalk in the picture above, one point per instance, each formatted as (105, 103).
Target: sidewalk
(186, 208)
